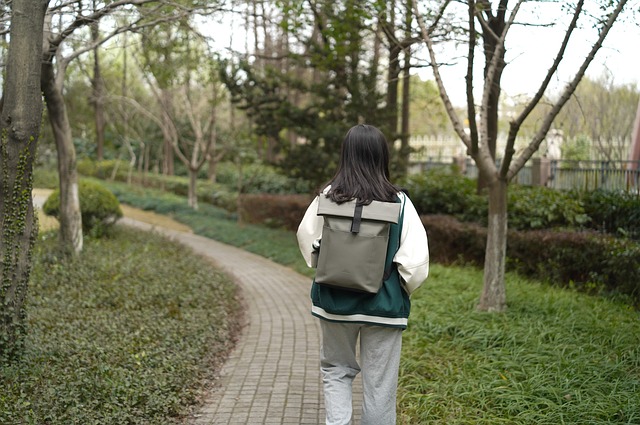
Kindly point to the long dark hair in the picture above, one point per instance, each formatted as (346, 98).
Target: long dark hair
(363, 172)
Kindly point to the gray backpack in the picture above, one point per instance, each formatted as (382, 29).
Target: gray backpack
(354, 243)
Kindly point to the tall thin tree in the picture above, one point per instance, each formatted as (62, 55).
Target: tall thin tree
(495, 20)
(19, 131)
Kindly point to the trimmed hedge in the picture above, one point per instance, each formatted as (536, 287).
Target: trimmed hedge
(588, 261)
(277, 211)
(453, 241)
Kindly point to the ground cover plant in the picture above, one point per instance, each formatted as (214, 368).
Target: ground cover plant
(127, 333)
(555, 357)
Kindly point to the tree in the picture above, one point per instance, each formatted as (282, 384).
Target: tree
(65, 19)
(97, 88)
(20, 125)
(397, 45)
(602, 112)
(425, 103)
(494, 22)
(329, 84)
(183, 78)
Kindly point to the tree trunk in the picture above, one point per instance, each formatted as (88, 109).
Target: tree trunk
(193, 182)
(20, 128)
(405, 149)
(406, 100)
(392, 93)
(168, 153)
(97, 86)
(393, 74)
(493, 298)
(212, 170)
(70, 218)
(497, 24)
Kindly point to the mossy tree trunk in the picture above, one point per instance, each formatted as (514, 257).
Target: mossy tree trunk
(20, 127)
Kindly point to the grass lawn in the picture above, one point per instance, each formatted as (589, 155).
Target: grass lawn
(556, 356)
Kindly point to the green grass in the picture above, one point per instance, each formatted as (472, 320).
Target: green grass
(215, 223)
(127, 333)
(556, 357)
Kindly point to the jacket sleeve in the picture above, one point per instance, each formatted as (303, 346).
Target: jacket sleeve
(412, 257)
(309, 230)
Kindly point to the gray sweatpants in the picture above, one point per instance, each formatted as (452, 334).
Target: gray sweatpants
(380, 357)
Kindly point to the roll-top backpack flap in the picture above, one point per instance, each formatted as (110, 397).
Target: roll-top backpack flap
(376, 210)
(354, 244)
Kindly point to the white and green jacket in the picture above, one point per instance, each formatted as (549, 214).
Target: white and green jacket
(408, 250)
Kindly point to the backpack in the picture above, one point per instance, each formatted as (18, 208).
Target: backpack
(354, 244)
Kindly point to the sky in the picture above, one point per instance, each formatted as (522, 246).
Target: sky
(531, 49)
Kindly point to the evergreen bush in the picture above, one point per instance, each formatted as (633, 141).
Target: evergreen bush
(259, 178)
(586, 260)
(440, 191)
(617, 213)
(276, 211)
(99, 207)
(537, 207)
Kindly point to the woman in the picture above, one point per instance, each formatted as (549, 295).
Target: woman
(378, 319)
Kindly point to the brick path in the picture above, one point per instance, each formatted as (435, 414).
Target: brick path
(272, 376)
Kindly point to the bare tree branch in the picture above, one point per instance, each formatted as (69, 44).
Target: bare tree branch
(488, 82)
(514, 126)
(455, 120)
(566, 94)
(471, 104)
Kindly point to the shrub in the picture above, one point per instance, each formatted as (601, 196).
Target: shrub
(617, 213)
(99, 207)
(588, 261)
(452, 241)
(440, 191)
(279, 211)
(101, 169)
(537, 207)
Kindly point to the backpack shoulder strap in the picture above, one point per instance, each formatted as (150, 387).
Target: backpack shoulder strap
(389, 265)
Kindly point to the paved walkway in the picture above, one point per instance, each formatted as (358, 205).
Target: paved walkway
(272, 376)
